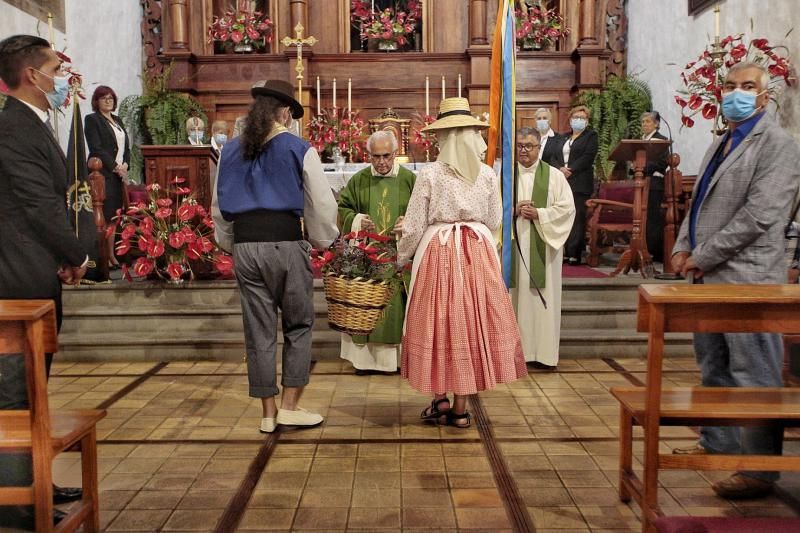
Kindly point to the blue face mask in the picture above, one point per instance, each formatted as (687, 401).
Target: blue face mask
(196, 136)
(220, 138)
(577, 124)
(543, 125)
(739, 105)
(58, 95)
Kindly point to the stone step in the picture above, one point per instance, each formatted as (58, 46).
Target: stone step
(598, 316)
(217, 346)
(580, 343)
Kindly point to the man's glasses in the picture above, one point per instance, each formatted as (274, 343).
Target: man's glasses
(527, 147)
(378, 157)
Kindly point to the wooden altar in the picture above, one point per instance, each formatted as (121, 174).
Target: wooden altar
(198, 164)
(454, 39)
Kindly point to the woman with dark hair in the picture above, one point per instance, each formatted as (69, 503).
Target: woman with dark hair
(267, 180)
(108, 141)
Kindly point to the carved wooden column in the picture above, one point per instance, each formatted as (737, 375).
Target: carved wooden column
(299, 14)
(587, 25)
(591, 54)
(176, 27)
(477, 22)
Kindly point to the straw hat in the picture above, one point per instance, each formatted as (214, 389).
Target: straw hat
(281, 90)
(455, 113)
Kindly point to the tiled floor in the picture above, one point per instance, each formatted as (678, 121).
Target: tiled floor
(180, 451)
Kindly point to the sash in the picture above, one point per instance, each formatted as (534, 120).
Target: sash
(541, 184)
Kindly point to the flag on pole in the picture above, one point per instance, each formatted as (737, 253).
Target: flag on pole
(79, 198)
(502, 104)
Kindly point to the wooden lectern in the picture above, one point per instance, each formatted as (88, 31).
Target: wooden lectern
(198, 164)
(638, 151)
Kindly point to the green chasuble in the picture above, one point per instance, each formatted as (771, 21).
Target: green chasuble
(383, 199)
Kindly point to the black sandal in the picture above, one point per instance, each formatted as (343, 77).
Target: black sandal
(452, 419)
(432, 412)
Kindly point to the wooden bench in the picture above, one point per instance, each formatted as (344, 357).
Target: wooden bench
(709, 309)
(29, 327)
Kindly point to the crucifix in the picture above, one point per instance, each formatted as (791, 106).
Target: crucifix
(299, 41)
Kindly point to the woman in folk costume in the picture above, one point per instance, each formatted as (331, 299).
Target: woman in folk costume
(461, 335)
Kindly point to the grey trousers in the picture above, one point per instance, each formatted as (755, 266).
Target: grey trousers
(741, 360)
(272, 276)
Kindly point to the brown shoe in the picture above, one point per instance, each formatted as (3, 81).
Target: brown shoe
(694, 449)
(739, 487)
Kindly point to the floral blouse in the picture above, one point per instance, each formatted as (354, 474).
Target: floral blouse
(440, 196)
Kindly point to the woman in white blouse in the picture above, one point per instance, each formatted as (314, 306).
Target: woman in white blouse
(108, 141)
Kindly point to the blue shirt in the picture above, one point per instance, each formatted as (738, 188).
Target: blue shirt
(736, 137)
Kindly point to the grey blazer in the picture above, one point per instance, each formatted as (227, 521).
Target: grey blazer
(740, 225)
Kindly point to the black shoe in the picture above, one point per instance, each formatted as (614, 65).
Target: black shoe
(573, 261)
(22, 517)
(66, 494)
(536, 365)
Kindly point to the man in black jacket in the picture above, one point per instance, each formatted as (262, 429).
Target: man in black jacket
(655, 171)
(38, 249)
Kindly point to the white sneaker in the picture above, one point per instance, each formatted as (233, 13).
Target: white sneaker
(300, 417)
(268, 425)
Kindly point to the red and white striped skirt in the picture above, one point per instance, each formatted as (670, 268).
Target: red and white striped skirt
(461, 334)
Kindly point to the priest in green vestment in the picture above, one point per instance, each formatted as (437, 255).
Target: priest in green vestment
(375, 199)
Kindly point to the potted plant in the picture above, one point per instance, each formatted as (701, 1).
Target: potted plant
(360, 277)
(337, 128)
(702, 79)
(615, 114)
(391, 28)
(166, 234)
(245, 30)
(538, 28)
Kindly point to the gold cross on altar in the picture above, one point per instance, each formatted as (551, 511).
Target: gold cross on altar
(299, 41)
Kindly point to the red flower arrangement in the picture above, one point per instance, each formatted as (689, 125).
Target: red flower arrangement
(538, 28)
(332, 129)
(389, 27)
(360, 255)
(426, 140)
(242, 28)
(703, 78)
(168, 233)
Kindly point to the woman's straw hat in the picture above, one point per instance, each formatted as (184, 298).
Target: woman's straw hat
(455, 113)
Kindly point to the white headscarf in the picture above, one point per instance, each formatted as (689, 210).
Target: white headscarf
(462, 149)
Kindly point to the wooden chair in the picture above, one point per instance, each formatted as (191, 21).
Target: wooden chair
(29, 327)
(609, 218)
(705, 309)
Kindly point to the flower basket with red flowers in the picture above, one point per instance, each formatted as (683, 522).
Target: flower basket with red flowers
(539, 28)
(360, 276)
(391, 27)
(247, 30)
(337, 128)
(168, 233)
(703, 78)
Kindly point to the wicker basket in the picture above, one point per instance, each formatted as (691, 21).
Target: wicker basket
(355, 305)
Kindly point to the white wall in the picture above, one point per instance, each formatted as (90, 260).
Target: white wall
(660, 33)
(103, 40)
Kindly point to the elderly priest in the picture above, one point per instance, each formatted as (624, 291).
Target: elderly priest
(375, 200)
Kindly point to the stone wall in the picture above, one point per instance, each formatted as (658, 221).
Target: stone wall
(662, 39)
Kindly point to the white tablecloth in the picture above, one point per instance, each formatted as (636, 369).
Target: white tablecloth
(339, 178)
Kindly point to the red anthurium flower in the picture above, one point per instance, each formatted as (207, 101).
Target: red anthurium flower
(709, 111)
(194, 250)
(126, 273)
(163, 212)
(128, 231)
(156, 249)
(189, 236)
(109, 231)
(144, 242)
(761, 44)
(681, 102)
(186, 212)
(123, 247)
(205, 244)
(687, 121)
(209, 222)
(175, 270)
(224, 264)
(695, 102)
(738, 52)
(146, 225)
(143, 266)
(236, 36)
(200, 210)
(182, 190)
(178, 179)
(176, 239)
(164, 202)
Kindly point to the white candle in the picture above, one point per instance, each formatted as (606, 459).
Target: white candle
(459, 85)
(716, 21)
(427, 95)
(51, 33)
(349, 95)
(334, 93)
(443, 88)
(372, 10)
(319, 101)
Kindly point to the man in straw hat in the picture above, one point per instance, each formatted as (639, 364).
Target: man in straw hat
(461, 335)
(375, 200)
(267, 180)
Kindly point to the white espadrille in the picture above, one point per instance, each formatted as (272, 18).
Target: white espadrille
(268, 425)
(300, 417)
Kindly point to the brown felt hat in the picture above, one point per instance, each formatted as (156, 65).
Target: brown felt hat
(281, 90)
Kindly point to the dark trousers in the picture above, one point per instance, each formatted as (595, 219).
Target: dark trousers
(576, 242)
(655, 219)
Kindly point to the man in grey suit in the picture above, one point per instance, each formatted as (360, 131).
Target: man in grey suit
(735, 234)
